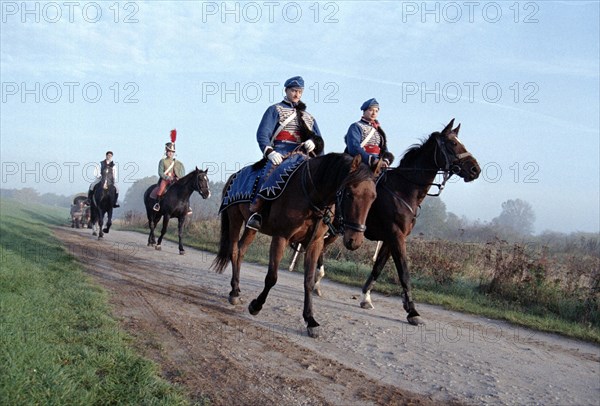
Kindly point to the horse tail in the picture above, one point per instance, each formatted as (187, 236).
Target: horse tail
(223, 256)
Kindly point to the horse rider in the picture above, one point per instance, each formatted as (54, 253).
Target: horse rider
(283, 128)
(106, 172)
(169, 171)
(366, 137)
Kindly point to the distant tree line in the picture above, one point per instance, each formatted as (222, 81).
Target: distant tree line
(515, 223)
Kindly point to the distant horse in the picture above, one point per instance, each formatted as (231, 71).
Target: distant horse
(77, 212)
(102, 204)
(400, 192)
(174, 203)
(302, 213)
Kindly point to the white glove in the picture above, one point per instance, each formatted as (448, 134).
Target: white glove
(309, 146)
(275, 157)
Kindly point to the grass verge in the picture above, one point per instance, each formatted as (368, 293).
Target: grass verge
(58, 342)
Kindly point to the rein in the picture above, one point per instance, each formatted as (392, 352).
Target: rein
(447, 170)
(325, 213)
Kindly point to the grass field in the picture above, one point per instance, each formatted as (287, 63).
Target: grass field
(58, 343)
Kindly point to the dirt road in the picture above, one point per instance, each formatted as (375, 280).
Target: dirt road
(178, 311)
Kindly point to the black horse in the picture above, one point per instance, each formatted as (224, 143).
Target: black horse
(400, 192)
(103, 198)
(174, 203)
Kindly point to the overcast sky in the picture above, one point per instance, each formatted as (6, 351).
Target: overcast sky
(80, 78)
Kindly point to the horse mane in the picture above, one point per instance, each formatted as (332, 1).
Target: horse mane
(415, 150)
(334, 170)
(186, 178)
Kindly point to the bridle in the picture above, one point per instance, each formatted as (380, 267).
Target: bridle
(198, 185)
(450, 167)
(324, 211)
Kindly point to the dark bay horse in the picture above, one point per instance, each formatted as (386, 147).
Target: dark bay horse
(102, 204)
(400, 192)
(301, 214)
(174, 203)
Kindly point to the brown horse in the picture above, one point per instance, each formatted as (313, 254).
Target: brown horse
(301, 214)
(400, 192)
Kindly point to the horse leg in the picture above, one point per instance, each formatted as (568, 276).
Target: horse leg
(321, 264)
(399, 255)
(100, 224)
(382, 257)
(151, 226)
(238, 251)
(311, 257)
(278, 245)
(163, 231)
(108, 220)
(179, 234)
(319, 275)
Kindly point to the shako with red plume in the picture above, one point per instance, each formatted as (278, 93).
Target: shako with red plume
(170, 146)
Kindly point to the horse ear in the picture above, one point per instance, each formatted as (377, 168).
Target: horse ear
(378, 168)
(448, 127)
(457, 129)
(197, 168)
(355, 163)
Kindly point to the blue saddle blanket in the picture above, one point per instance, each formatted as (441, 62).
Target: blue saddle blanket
(268, 181)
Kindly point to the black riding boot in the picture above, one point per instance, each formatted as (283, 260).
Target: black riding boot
(90, 196)
(116, 204)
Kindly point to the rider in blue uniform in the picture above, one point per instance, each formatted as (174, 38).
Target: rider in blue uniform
(366, 137)
(285, 126)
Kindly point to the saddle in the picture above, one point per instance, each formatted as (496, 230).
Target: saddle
(268, 181)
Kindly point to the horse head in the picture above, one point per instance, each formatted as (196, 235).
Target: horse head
(201, 183)
(354, 201)
(455, 156)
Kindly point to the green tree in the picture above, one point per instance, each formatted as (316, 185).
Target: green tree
(432, 219)
(134, 198)
(517, 218)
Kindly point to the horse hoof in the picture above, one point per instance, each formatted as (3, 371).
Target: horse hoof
(100, 237)
(182, 252)
(253, 308)
(313, 331)
(416, 320)
(105, 230)
(235, 300)
(94, 233)
(157, 247)
(367, 305)
(318, 291)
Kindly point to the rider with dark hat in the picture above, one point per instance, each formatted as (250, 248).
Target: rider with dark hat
(366, 137)
(284, 127)
(105, 172)
(169, 169)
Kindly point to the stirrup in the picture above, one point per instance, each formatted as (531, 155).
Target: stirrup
(156, 207)
(254, 222)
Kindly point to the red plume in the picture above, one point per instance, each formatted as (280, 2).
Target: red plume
(173, 135)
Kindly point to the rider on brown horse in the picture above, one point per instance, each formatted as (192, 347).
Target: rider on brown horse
(283, 128)
(105, 172)
(366, 137)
